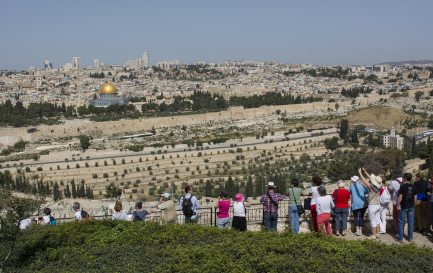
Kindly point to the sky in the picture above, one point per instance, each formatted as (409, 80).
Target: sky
(303, 31)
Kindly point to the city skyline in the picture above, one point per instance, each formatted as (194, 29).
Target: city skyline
(334, 32)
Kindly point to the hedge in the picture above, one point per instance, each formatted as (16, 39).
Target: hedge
(111, 246)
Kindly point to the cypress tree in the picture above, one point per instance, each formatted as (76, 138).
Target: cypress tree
(67, 191)
(57, 194)
(208, 189)
(249, 190)
(74, 189)
(230, 187)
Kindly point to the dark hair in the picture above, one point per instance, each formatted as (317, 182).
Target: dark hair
(139, 205)
(317, 181)
(76, 206)
(294, 182)
(223, 194)
(407, 177)
(47, 211)
(118, 206)
(321, 190)
(187, 188)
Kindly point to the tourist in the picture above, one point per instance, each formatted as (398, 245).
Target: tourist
(422, 206)
(223, 205)
(317, 182)
(168, 210)
(189, 205)
(239, 221)
(139, 213)
(80, 214)
(373, 185)
(118, 213)
(47, 219)
(270, 207)
(431, 199)
(25, 222)
(294, 193)
(384, 200)
(405, 207)
(359, 203)
(324, 205)
(341, 198)
(394, 188)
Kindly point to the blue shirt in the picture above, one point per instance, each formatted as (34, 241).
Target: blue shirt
(357, 193)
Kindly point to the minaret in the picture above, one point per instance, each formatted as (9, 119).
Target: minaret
(392, 131)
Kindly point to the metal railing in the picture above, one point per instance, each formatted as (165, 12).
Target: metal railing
(208, 215)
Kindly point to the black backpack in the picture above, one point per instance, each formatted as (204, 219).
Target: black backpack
(84, 214)
(187, 207)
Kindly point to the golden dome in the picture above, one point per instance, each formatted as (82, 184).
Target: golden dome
(108, 88)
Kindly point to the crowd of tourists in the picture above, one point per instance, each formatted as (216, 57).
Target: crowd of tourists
(410, 203)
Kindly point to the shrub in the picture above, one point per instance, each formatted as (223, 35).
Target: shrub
(113, 244)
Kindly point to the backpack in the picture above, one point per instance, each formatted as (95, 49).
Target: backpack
(84, 214)
(136, 217)
(53, 221)
(385, 198)
(187, 207)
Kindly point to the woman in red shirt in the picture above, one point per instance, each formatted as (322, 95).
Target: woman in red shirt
(341, 198)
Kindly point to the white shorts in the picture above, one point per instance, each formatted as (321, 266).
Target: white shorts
(374, 215)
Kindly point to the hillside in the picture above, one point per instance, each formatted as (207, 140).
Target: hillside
(382, 118)
(411, 62)
(107, 246)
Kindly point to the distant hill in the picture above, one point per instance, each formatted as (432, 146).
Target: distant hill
(413, 62)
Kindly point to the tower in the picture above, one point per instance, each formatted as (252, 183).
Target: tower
(145, 59)
(76, 62)
(47, 65)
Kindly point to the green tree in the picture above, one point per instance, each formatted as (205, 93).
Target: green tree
(331, 143)
(67, 192)
(344, 129)
(208, 189)
(418, 95)
(84, 142)
(111, 191)
(74, 189)
(230, 187)
(354, 139)
(259, 185)
(12, 210)
(57, 194)
(249, 189)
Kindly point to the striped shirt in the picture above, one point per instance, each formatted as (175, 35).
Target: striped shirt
(268, 206)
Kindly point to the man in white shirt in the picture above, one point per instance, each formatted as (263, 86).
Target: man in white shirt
(46, 219)
(76, 207)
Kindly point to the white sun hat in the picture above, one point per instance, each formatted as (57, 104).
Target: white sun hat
(376, 181)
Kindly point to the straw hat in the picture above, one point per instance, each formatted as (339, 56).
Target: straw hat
(376, 180)
(271, 184)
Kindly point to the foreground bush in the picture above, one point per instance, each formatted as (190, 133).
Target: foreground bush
(108, 246)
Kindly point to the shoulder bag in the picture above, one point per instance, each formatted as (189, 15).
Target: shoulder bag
(299, 207)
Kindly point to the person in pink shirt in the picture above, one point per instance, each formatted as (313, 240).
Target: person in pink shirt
(223, 205)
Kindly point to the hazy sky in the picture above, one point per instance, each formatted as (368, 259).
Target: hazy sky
(304, 31)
